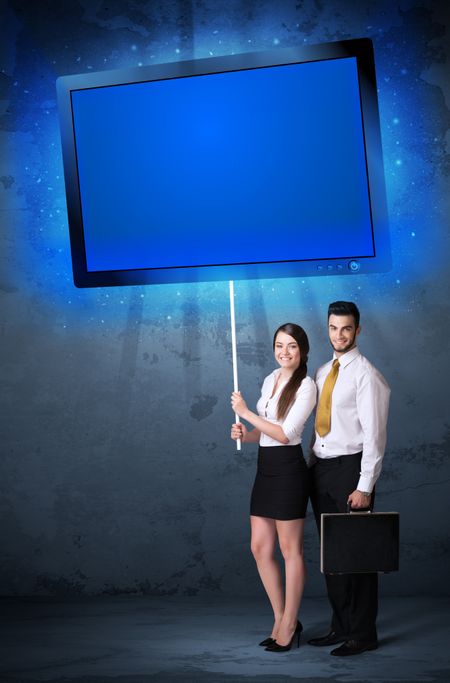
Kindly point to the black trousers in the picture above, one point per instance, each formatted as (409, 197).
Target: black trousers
(353, 597)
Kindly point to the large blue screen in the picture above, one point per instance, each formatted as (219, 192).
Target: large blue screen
(249, 166)
(258, 165)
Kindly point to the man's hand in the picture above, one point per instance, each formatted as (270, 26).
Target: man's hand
(358, 499)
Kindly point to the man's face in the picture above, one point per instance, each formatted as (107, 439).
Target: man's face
(342, 332)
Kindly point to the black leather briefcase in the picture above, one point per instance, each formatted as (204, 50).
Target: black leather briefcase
(357, 542)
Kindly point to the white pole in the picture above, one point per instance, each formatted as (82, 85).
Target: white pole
(234, 350)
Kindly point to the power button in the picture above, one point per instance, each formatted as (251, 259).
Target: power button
(354, 266)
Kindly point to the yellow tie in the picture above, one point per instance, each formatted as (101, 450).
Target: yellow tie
(323, 415)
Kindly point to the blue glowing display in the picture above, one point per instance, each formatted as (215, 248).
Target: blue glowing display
(234, 172)
(225, 168)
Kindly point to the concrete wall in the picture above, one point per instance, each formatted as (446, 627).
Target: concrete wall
(117, 474)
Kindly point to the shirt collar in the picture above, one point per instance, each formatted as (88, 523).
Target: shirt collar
(276, 376)
(348, 357)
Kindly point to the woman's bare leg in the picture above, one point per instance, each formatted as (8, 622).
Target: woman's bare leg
(263, 544)
(290, 537)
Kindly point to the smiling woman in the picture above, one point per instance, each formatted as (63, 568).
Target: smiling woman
(280, 492)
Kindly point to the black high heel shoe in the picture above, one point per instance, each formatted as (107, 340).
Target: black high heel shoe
(275, 647)
(267, 641)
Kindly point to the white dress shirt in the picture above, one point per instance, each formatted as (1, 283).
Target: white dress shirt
(359, 411)
(294, 420)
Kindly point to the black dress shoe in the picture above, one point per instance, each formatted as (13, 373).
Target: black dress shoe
(331, 638)
(354, 647)
(267, 641)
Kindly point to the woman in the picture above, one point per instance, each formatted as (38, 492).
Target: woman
(280, 492)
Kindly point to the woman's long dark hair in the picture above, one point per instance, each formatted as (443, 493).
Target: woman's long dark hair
(287, 396)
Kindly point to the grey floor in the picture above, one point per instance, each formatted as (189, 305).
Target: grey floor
(179, 639)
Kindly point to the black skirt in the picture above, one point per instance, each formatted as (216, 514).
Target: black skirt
(281, 488)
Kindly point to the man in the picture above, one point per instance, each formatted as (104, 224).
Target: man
(346, 460)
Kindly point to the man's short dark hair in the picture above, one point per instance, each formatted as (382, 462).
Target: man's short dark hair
(344, 308)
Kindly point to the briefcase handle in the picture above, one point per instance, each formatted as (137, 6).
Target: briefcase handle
(365, 511)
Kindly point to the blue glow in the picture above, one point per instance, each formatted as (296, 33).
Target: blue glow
(38, 228)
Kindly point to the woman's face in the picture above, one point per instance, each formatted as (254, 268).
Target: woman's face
(287, 352)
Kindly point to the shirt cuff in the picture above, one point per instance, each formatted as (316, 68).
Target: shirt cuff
(291, 433)
(365, 483)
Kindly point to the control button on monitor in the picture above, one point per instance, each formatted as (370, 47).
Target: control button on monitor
(354, 266)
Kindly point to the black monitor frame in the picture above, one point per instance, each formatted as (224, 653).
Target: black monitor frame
(362, 49)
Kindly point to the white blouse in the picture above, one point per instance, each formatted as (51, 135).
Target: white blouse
(295, 419)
